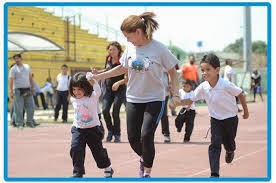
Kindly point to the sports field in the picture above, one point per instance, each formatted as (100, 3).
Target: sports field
(44, 150)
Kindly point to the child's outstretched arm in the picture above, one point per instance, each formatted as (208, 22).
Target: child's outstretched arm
(94, 83)
(244, 105)
(173, 104)
(186, 102)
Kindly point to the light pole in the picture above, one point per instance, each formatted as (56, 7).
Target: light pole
(247, 40)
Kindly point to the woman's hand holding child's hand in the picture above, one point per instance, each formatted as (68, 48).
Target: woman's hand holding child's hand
(89, 76)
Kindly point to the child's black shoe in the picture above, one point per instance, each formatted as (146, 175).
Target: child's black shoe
(214, 175)
(229, 156)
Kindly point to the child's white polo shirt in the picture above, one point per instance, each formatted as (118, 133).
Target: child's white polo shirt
(187, 95)
(220, 99)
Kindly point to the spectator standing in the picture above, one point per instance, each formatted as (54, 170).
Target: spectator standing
(48, 89)
(39, 93)
(229, 75)
(190, 71)
(256, 84)
(62, 93)
(21, 91)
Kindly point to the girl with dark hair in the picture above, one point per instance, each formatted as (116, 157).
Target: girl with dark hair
(219, 95)
(85, 93)
(145, 60)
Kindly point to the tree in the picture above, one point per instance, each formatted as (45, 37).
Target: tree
(236, 47)
(258, 47)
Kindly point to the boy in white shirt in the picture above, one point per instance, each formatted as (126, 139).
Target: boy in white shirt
(219, 94)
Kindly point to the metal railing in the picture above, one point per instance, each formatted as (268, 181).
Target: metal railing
(93, 27)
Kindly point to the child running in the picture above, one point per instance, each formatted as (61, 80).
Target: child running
(85, 93)
(219, 94)
(187, 113)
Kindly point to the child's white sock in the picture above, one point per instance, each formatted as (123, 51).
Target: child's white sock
(146, 174)
(108, 172)
(107, 168)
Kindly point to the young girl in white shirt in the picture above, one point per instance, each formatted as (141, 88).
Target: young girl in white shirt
(85, 93)
(219, 94)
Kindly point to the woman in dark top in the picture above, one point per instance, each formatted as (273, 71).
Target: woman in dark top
(114, 92)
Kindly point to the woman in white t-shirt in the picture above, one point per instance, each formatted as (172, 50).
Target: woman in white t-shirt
(145, 60)
(219, 94)
(85, 93)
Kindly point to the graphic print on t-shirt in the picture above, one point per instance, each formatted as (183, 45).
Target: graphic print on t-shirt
(83, 116)
(140, 65)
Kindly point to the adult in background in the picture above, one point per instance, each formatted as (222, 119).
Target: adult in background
(48, 89)
(21, 91)
(62, 93)
(190, 71)
(145, 60)
(39, 93)
(229, 75)
(256, 84)
(114, 93)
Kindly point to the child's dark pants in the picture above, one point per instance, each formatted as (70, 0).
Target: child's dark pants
(93, 138)
(188, 117)
(222, 132)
